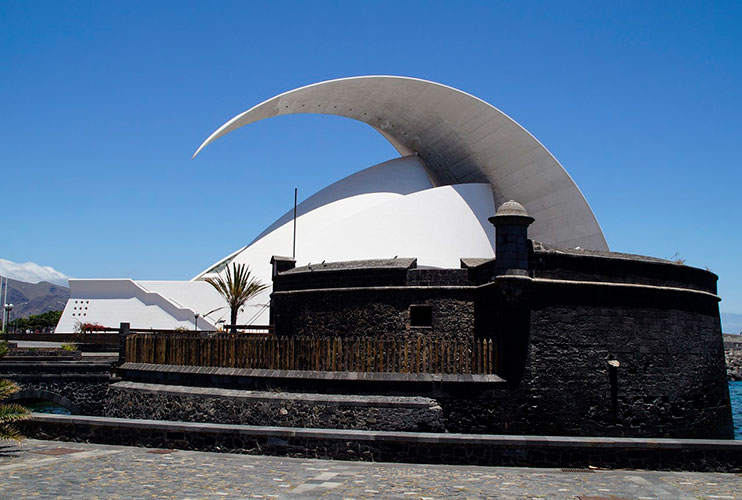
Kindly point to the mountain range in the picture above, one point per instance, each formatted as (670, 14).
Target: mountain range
(31, 272)
(35, 298)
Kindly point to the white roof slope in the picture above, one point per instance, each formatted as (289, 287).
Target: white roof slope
(390, 209)
(459, 138)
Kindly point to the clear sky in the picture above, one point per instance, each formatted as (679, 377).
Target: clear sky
(102, 105)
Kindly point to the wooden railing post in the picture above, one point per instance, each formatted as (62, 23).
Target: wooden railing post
(364, 354)
(123, 332)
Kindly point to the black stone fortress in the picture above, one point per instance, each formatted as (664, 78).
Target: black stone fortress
(588, 343)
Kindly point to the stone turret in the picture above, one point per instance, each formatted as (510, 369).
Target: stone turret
(513, 283)
(511, 223)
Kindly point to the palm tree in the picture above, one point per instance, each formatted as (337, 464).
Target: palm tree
(237, 287)
(10, 412)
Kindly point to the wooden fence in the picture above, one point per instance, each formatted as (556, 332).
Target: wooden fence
(419, 355)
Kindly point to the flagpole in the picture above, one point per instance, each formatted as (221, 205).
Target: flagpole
(293, 252)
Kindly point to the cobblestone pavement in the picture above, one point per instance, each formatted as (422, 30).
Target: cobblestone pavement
(53, 469)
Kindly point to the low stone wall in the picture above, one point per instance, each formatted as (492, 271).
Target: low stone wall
(41, 354)
(467, 449)
(81, 387)
(81, 395)
(196, 404)
(98, 338)
(305, 381)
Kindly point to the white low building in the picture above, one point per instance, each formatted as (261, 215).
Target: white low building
(460, 158)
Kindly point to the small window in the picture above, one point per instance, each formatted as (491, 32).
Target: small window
(421, 316)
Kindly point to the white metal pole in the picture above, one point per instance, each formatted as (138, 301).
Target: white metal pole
(293, 252)
(6, 298)
(6, 313)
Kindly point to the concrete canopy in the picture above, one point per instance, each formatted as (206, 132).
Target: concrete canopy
(459, 138)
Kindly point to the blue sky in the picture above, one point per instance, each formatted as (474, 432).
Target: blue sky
(102, 105)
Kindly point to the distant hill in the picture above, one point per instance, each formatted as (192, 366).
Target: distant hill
(35, 298)
(731, 323)
(31, 272)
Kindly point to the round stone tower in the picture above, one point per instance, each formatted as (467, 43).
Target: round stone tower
(511, 223)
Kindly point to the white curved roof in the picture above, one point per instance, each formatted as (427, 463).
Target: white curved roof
(459, 138)
(387, 210)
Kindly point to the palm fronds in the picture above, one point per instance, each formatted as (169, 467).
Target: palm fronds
(10, 412)
(13, 412)
(7, 388)
(237, 287)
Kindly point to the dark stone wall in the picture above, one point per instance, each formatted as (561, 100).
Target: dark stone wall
(671, 378)
(80, 386)
(437, 277)
(511, 243)
(331, 278)
(556, 339)
(337, 413)
(82, 395)
(521, 451)
(41, 354)
(670, 383)
(377, 313)
(619, 268)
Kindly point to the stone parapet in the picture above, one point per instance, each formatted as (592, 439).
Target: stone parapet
(229, 406)
(312, 381)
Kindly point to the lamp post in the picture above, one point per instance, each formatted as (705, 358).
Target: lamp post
(196, 315)
(8, 308)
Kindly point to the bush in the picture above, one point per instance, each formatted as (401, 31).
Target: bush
(84, 328)
(45, 321)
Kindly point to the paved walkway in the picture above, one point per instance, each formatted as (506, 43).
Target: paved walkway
(53, 469)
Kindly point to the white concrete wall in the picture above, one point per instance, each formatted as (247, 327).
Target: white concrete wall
(109, 302)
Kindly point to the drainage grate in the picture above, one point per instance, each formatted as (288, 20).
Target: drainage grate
(579, 471)
(161, 452)
(57, 451)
